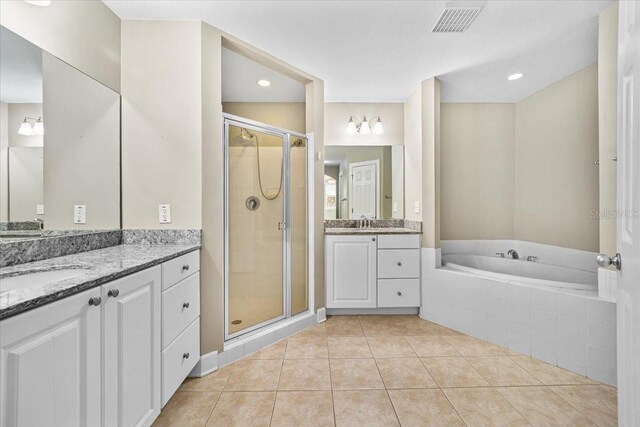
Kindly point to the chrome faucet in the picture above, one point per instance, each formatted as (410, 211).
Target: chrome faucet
(500, 254)
(364, 222)
(513, 254)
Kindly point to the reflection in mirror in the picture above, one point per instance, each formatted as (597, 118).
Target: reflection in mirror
(364, 181)
(59, 145)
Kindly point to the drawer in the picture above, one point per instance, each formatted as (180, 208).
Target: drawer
(398, 263)
(399, 293)
(398, 241)
(177, 269)
(175, 363)
(180, 307)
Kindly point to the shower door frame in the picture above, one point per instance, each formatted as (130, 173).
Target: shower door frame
(285, 134)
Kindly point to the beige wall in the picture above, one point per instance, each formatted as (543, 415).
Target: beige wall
(287, 115)
(477, 158)
(4, 162)
(413, 155)
(337, 116)
(556, 182)
(81, 148)
(85, 34)
(607, 123)
(431, 163)
(162, 145)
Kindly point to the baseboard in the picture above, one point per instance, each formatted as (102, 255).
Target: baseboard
(208, 363)
(321, 315)
(383, 311)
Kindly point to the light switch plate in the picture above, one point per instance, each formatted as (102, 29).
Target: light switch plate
(39, 209)
(79, 214)
(164, 214)
(416, 208)
(395, 206)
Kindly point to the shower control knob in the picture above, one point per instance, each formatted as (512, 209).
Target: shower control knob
(185, 356)
(399, 293)
(113, 293)
(605, 261)
(185, 305)
(185, 267)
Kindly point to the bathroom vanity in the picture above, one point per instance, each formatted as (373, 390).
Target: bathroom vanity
(372, 268)
(112, 354)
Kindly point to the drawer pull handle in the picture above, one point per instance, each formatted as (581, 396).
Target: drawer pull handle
(185, 267)
(399, 293)
(95, 301)
(185, 356)
(185, 305)
(399, 264)
(113, 293)
(373, 239)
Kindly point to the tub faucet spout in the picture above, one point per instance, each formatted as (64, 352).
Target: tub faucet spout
(513, 254)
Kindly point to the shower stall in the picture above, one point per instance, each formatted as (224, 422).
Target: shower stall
(266, 225)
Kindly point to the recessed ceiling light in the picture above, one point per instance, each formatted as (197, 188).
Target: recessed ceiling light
(264, 83)
(515, 76)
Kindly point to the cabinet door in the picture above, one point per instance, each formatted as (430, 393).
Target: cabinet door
(131, 334)
(50, 365)
(350, 271)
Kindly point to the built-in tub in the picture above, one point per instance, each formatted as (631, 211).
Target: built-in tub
(511, 270)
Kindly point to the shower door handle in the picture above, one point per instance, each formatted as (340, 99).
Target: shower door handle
(282, 225)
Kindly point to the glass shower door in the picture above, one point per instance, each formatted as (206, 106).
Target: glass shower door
(256, 288)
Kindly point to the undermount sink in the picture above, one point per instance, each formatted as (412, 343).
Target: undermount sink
(38, 278)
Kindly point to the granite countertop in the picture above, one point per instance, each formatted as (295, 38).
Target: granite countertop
(104, 265)
(372, 230)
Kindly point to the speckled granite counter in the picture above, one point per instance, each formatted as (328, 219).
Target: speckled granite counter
(381, 230)
(104, 264)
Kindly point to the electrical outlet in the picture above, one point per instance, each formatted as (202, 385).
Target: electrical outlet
(39, 209)
(319, 155)
(395, 206)
(164, 214)
(79, 214)
(416, 208)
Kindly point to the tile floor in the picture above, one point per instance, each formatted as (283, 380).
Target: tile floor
(389, 371)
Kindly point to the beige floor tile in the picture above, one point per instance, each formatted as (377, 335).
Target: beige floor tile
(349, 348)
(214, 381)
(274, 351)
(254, 375)
(303, 408)
(598, 403)
(404, 373)
(390, 347)
(484, 407)
(243, 409)
(501, 371)
(419, 327)
(187, 409)
(424, 408)
(305, 374)
(364, 408)
(453, 372)
(429, 346)
(313, 331)
(469, 346)
(355, 374)
(542, 407)
(380, 327)
(549, 374)
(307, 348)
(349, 328)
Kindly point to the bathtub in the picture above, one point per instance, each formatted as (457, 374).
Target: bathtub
(513, 270)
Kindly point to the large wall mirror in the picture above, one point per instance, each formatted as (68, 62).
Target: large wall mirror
(59, 145)
(364, 181)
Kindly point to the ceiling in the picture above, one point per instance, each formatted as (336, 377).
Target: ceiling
(379, 51)
(20, 69)
(240, 76)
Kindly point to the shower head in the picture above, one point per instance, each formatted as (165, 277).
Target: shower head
(245, 137)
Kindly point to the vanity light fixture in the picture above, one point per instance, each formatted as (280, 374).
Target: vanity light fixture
(515, 76)
(264, 83)
(27, 129)
(364, 127)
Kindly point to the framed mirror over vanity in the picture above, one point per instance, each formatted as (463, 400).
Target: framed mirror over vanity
(59, 145)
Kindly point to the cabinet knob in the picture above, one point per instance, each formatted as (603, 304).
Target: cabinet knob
(185, 356)
(185, 305)
(373, 239)
(95, 301)
(399, 293)
(399, 264)
(185, 267)
(113, 293)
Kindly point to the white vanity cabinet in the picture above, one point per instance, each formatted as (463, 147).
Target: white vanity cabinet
(372, 271)
(50, 364)
(109, 356)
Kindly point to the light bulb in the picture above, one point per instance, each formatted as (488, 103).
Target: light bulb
(25, 128)
(351, 126)
(377, 127)
(38, 128)
(365, 129)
